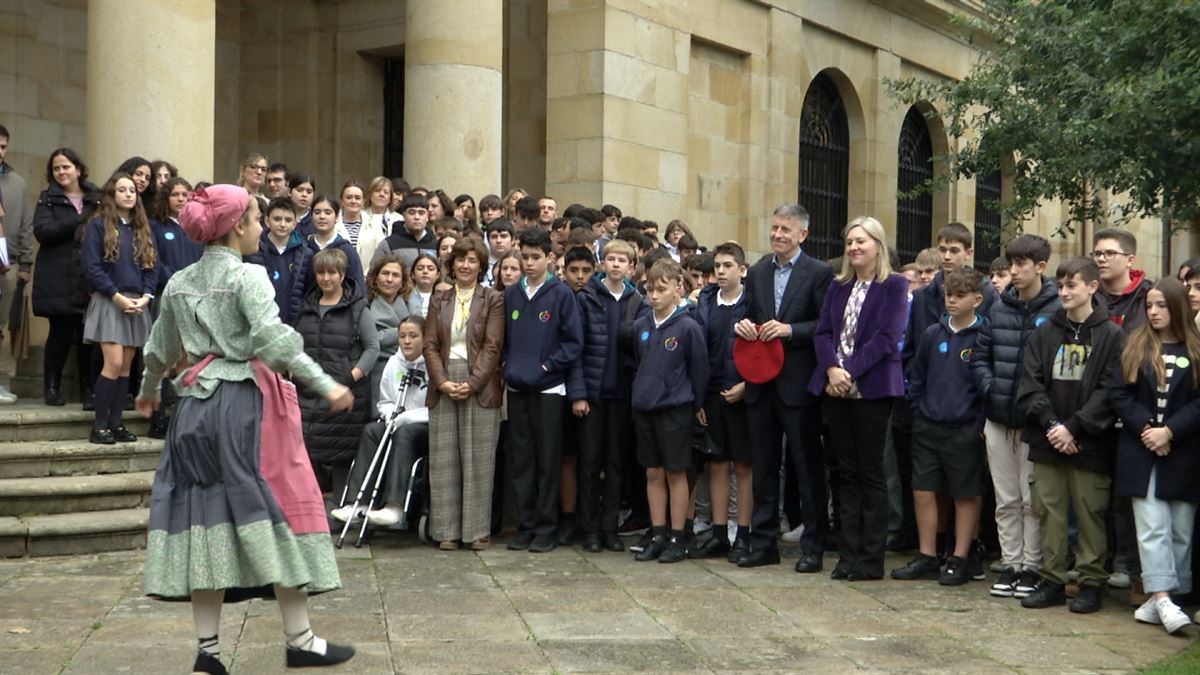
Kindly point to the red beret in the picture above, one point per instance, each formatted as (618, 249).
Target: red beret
(756, 361)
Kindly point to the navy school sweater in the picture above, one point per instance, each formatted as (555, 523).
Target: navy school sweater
(603, 370)
(354, 268)
(717, 321)
(176, 250)
(543, 336)
(287, 271)
(672, 362)
(121, 275)
(942, 388)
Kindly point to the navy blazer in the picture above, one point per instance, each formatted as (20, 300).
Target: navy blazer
(800, 308)
(875, 364)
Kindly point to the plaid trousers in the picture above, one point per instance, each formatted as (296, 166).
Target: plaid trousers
(462, 443)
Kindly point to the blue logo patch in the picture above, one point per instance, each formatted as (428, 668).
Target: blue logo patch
(944, 347)
(169, 236)
(276, 275)
(645, 335)
(1039, 321)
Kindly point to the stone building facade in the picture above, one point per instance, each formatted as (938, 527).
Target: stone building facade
(713, 111)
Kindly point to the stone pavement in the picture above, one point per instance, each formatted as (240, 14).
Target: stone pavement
(410, 608)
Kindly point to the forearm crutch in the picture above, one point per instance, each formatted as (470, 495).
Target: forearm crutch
(382, 451)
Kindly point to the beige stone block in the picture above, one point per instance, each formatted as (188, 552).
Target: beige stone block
(705, 117)
(644, 124)
(628, 77)
(575, 31)
(671, 91)
(699, 152)
(673, 172)
(697, 78)
(620, 32)
(578, 117)
(62, 103)
(711, 188)
(725, 85)
(47, 133)
(622, 195)
(735, 198)
(563, 75)
(591, 74)
(589, 161)
(631, 163)
(27, 100)
(726, 157)
(655, 44)
(561, 161)
(659, 206)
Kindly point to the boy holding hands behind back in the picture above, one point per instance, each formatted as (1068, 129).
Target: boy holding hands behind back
(1069, 421)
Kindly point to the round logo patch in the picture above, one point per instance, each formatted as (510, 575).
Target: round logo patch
(965, 355)
(169, 236)
(516, 315)
(671, 344)
(1183, 362)
(944, 347)
(1039, 321)
(645, 335)
(544, 316)
(276, 275)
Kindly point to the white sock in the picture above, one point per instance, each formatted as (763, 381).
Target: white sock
(206, 614)
(293, 609)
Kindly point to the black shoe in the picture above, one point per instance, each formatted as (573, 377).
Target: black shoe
(738, 550)
(207, 663)
(612, 542)
(543, 543)
(334, 654)
(1047, 594)
(1086, 601)
(158, 428)
(642, 542)
(975, 561)
(921, 568)
(658, 544)
(1027, 583)
(864, 576)
(566, 529)
(841, 571)
(809, 563)
(955, 572)
(592, 543)
(102, 436)
(715, 547)
(123, 435)
(54, 397)
(89, 401)
(520, 541)
(760, 557)
(676, 551)
(902, 541)
(1006, 584)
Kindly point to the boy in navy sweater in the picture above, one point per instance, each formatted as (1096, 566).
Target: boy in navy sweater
(599, 393)
(718, 308)
(668, 392)
(947, 446)
(285, 255)
(543, 339)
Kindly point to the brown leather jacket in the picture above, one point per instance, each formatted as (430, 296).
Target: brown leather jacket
(485, 337)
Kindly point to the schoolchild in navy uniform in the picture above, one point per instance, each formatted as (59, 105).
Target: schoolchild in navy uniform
(175, 252)
(579, 264)
(543, 338)
(121, 266)
(668, 394)
(600, 390)
(718, 307)
(302, 188)
(286, 256)
(324, 236)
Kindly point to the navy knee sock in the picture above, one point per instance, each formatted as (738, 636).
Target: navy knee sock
(117, 401)
(103, 391)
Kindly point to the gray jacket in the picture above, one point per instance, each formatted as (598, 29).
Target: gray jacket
(17, 218)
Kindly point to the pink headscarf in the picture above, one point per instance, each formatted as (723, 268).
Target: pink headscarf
(212, 212)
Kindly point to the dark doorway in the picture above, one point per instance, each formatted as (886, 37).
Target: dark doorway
(914, 215)
(393, 117)
(824, 167)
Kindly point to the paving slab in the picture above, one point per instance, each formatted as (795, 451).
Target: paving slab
(558, 600)
(786, 654)
(478, 627)
(48, 661)
(612, 656)
(371, 658)
(582, 625)
(446, 603)
(468, 656)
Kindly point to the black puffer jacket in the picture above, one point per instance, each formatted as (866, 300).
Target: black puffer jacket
(996, 363)
(58, 286)
(333, 341)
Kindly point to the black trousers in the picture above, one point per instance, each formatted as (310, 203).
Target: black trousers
(858, 432)
(409, 442)
(66, 332)
(604, 439)
(499, 486)
(535, 450)
(902, 444)
(771, 421)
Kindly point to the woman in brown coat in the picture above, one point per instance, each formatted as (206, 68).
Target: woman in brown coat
(464, 332)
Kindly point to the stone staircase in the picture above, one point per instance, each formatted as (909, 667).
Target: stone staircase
(59, 494)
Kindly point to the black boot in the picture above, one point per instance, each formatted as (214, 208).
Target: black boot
(52, 394)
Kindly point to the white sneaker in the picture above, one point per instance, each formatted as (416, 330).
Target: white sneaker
(1147, 613)
(386, 517)
(6, 396)
(1119, 580)
(1173, 618)
(793, 536)
(345, 514)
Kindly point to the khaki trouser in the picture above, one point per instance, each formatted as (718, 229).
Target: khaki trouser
(8, 287)
(1058, 487)
(1016, 522)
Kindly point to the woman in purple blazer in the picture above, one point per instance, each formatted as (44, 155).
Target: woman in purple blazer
(858, 369)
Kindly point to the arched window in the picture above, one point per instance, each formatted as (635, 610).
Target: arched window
(914, 215)
(824, 167)
(987, 220)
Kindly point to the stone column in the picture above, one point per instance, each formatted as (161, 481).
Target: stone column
(453, 95)
(151, 69)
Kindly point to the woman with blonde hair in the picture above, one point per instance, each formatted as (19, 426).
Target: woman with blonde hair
(253, 176)
(857, 344)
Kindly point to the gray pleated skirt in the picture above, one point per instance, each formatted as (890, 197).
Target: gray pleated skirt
(105, 322)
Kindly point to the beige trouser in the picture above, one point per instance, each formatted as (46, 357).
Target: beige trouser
(8, 286)
(1016, 520)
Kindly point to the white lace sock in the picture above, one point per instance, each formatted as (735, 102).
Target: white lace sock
(293, 609)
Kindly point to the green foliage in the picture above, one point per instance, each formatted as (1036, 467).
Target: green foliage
(1073, 97)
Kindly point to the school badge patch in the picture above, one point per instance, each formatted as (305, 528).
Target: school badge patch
(671, 344)
(544, 316)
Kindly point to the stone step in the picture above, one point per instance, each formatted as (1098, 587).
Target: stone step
(73, 533)
(78, 457)
(74, 494)
(28, 421)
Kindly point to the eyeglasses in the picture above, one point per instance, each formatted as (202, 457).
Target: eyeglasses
(260, 168)
(1106, 255)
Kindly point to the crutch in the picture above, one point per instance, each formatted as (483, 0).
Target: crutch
(382, 453)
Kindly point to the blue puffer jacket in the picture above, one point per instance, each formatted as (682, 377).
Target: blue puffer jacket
(996, 363)
(604, 370)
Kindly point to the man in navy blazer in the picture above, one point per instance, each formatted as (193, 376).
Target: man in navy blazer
(784, 295)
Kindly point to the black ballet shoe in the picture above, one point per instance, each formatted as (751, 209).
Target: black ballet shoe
(206, 663)
(123, 435)
(102, 436)
(334, 654)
